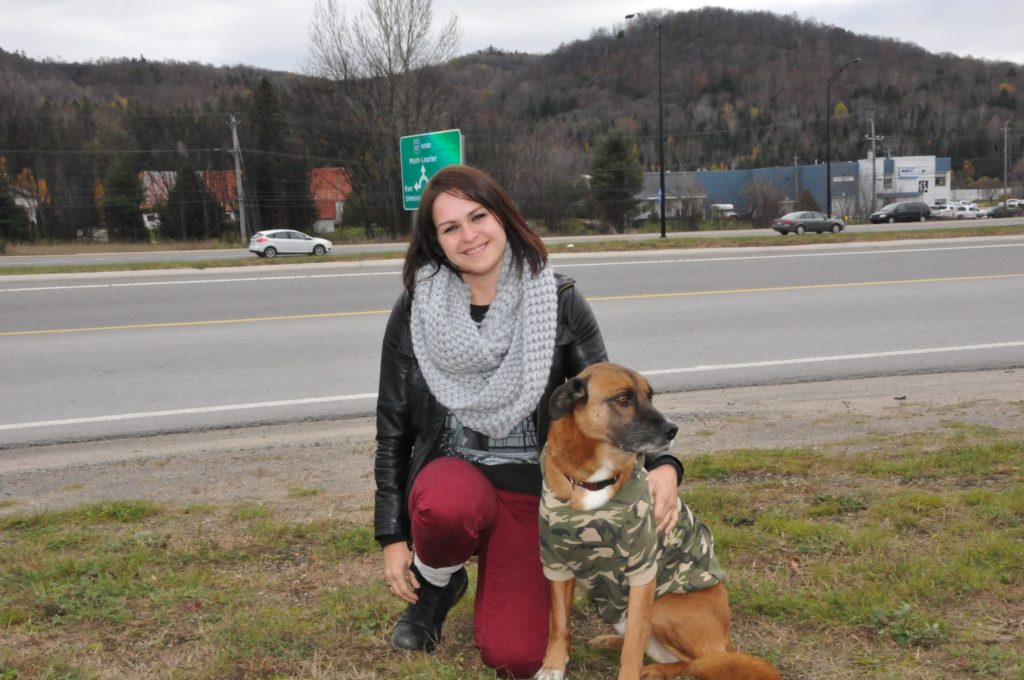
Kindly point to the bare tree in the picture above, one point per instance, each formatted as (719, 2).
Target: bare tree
(384, 61)
(765, 201)
(686, 197)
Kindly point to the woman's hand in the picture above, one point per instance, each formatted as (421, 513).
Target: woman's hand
(662, 482)
(397, 575)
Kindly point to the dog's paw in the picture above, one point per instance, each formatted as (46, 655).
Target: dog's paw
(607, 641)
(649, 673)
(549, 674)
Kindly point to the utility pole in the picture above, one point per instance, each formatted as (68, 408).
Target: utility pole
(796, 179)
(1006, 157)
(874, 161)
(237, 153)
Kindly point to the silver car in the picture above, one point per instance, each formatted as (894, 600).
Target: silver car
(274, 242)
(807, 220)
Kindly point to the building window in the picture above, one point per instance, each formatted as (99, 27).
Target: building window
(887, 183)
(940, 180)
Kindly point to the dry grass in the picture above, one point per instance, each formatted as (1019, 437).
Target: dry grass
(96, 247)
(889, 558)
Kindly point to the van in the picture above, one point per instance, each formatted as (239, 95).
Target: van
(908, 211)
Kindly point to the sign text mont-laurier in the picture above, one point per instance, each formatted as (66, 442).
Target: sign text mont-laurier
(423, 156)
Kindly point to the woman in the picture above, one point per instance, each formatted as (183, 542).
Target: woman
(482, 335)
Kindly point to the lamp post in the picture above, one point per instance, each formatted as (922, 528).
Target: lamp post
(828, 135)
(656, 25)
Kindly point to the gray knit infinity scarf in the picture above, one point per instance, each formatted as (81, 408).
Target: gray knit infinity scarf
(493, 375)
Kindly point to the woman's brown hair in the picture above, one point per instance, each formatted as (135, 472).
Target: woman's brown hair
(475, 185)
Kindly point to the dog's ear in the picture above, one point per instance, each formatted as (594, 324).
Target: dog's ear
(566, 396)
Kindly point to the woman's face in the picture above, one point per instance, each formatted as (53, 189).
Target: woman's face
(473, 240)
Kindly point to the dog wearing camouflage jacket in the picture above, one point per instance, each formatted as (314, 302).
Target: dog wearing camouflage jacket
(662, 592)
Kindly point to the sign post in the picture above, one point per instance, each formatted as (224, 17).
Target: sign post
(423, 156)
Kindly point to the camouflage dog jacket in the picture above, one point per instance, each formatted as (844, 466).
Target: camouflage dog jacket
(618, 545)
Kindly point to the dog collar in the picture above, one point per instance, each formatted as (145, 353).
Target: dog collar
(593, 486)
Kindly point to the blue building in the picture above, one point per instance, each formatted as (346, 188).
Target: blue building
(691, 192)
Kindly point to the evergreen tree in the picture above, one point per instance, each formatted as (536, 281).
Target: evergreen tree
(616, 177)
(277, 177)
(191, 213)
(806, 201)
(120, 204)
(14, 224)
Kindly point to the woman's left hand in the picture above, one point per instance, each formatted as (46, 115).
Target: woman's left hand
(662, 481)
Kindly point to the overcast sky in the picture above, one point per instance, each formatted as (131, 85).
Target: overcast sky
(273, 33)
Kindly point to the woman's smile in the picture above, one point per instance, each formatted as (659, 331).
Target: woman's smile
(473, 240)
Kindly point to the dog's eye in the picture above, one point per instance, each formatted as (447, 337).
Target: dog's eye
(624, 399)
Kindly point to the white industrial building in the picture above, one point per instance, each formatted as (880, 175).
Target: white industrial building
(905, 178)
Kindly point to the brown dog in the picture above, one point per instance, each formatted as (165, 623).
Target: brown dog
(661, 591)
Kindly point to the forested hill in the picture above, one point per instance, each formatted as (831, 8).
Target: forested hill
(748, 89)
(741, 89)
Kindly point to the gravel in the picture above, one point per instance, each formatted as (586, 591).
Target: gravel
(334, 458)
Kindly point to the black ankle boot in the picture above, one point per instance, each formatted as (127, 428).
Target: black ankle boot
(419, 627)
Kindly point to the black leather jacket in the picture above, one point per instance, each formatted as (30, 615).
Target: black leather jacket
(409, 418)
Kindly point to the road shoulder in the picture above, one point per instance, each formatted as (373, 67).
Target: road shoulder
(334, 458)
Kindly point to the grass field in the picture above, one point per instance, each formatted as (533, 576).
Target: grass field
(769, 239)
(895, 557)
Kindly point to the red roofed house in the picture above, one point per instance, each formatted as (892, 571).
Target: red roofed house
(221, 185)
(330, 188)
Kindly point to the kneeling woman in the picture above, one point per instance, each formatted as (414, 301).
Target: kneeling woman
(482, 335)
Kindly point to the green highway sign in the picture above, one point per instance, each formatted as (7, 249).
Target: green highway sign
(423, 156)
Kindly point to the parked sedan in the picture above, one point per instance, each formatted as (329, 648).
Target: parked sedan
(1000, 211)
(274, 242)
(807, 220)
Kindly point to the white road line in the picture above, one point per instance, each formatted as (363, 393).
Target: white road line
(784, 256)
(186, 411)
(373, 395)
(836, 357)
(137, 284)
(561, 265)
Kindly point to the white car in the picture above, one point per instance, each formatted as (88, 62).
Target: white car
(274, 242)
(966, 212)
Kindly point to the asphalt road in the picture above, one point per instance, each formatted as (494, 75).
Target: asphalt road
(102, 355)
(242, 253)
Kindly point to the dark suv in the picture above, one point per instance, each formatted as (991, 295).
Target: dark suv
(911, 211)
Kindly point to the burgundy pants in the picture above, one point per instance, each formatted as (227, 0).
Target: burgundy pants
(456, 513)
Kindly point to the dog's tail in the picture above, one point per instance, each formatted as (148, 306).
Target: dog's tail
(732, 666)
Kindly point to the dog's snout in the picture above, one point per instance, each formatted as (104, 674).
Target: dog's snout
(670, 430)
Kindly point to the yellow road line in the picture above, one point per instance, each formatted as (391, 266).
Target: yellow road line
(814, 286)
(606, 298)
(180, 324)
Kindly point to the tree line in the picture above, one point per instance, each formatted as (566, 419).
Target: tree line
(567, 132)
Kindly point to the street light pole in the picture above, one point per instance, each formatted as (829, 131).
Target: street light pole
(1006, 132)
(656, 25)
(828, 135)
